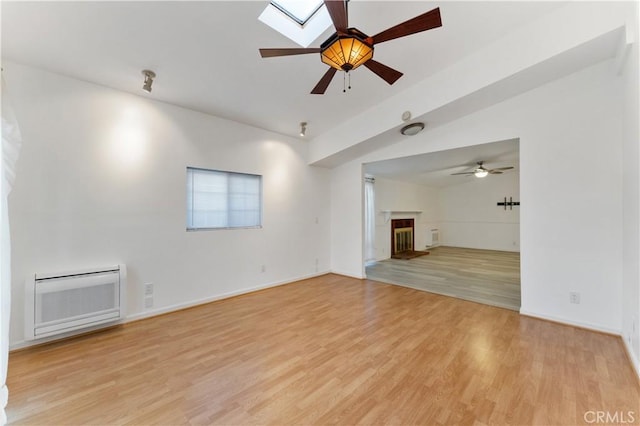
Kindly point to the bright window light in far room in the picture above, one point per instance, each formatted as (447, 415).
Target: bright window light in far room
(282, 19)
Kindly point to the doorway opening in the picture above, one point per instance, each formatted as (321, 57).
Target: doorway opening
(436, 203)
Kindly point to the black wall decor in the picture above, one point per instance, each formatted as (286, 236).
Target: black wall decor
(509, 203)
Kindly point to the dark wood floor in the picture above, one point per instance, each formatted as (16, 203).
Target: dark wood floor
(329, 350)
(485, 276)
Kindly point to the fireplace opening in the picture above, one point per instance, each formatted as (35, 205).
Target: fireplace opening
(403, 239)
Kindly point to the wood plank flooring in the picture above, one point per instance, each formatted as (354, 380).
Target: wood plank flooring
(484, 276)
(328, 350)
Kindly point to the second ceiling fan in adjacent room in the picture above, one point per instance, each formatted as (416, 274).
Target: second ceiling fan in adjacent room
(481, 171)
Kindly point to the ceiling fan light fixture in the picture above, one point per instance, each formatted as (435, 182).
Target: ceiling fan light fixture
(412, 129)
(348, 48)
(480, 173)
(346, 52)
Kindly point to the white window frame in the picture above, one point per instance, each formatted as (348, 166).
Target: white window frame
(303, 35)
(193, 227)
(284, 7)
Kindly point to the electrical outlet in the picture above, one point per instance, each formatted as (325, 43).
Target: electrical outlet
(148, 302)
(148, 289)
(574, 297)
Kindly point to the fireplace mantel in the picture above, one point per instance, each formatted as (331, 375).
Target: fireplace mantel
(387, 213)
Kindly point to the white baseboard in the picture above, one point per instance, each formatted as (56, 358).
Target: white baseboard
(633, 357)
(155, 312)
(347, 274)
(566, 321)
(192, 303)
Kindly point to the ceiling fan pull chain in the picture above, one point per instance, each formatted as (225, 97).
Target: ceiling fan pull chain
(344, 81)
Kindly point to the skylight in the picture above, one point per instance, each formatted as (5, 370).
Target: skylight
(299, 11)
(299, 20)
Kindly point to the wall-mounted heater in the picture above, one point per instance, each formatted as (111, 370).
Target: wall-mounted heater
(66, 302)
(432, 238)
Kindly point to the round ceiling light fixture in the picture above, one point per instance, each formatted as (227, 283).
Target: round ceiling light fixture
(481, 172)
(412, 129)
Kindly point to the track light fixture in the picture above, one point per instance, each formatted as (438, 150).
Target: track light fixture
(148, 80)
(303, 128)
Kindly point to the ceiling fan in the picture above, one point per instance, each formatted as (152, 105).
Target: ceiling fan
(482, 171)
(348, 48)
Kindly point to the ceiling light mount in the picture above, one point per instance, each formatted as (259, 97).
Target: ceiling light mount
(412, 129)
(303, 128)
(148, 80)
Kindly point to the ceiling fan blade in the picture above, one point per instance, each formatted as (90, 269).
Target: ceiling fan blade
(338, 11)
(494, 172)
(463, 173)
(384, 72)
(269, 53)
(322, 85)
(420, 23)
(503, 168)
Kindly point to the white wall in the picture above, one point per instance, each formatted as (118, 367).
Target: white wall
(347, 224)
(465, 213)
(631, 197)
(101, 180)
(571, 237)
(469, 216)
(403, 197)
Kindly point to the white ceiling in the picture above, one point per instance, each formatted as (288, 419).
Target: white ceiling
(435, 169)
(206, 53)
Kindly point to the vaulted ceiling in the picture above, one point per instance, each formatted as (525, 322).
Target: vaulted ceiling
(206, 55)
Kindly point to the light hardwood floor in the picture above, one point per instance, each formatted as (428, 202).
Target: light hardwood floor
(485, 276)
(328, 350)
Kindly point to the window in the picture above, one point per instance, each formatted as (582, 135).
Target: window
(300, 21)
(219, 200)
(369, 219)
(299, 11)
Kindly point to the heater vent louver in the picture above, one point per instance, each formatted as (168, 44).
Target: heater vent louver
(432, 237)
(67, 302)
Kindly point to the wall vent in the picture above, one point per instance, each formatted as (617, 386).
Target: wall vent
(66, 302)
(433, 237)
